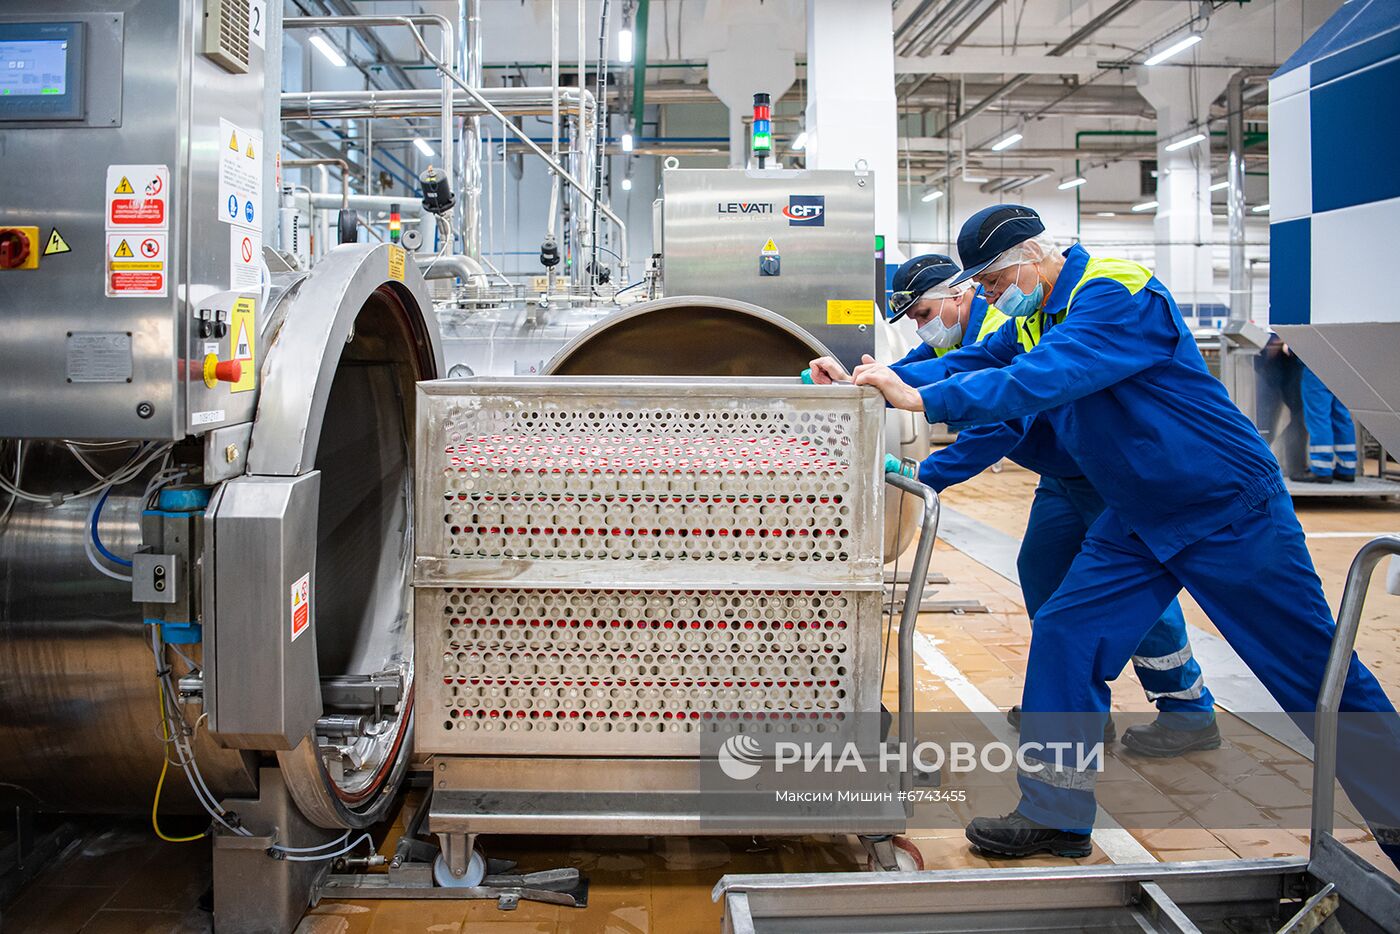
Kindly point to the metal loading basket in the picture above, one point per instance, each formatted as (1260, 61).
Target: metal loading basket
(624, 566)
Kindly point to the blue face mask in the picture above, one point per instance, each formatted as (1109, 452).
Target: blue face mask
(1018, 304)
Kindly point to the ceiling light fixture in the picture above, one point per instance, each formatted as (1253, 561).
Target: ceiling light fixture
(1075, 182)
(1145, 206)
(328, 50)
(1220, 186)
(1260, 208)
(627, 142)
(1191, 140)
(423, 147)
(1006, 142)
(624, 46)
(1176, 48)
(933, 194)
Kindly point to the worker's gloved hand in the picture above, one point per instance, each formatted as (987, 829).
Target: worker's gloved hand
(825, 371)
(895, 465)
(896, 392)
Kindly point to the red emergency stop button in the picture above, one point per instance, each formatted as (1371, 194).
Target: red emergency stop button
(14, 248)
(221, 371)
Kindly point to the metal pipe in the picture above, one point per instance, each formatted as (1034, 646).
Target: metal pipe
(315, 199)
(1334, 678)
(1240, 297)
(345, 173)
(449, 47)
(1079, 35)
(913, 597)
(524, 137)
(450, 267)
(981, 18)
(471, 200)
(386, 105)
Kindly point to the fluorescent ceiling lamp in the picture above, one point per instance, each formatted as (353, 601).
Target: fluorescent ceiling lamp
(423, 146)
(933, 194)
(1183, 143)
(1105, 214)
(800, 143)
(627, 142)
(1177, 47)
(1260, 208)
(328, 50)
(627, 184)
(976, 179)
(1145, 206)
(1075, 182)
(1220, 186)
(624, 46)
(1006, 142)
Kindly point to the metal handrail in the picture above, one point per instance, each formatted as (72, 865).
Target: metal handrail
(1329, 698)
(909, 615)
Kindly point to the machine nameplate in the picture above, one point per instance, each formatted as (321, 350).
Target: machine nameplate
(99, 357)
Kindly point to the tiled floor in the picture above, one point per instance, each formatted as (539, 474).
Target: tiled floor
(126, 883)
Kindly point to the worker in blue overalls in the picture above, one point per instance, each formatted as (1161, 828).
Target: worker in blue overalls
(1064, 507)
(1195, 500)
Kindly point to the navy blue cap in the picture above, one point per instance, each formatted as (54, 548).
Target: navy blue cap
(991, 232)
(917, 276)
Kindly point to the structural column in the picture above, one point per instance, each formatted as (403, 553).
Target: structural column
(1182, 97)
(851, 112)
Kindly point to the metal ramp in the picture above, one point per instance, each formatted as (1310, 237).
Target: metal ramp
(1331, 889)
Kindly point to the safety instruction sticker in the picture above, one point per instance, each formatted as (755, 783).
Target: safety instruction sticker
(397, 257)
(138, 196)
(240, 176)
(243, 341)
(850, 311)
(770, 248)
(244, 258)
(136, 265)
(301, 605)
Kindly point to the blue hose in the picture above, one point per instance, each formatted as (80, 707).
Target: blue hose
(97, 542)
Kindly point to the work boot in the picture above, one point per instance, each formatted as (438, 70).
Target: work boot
(1344, 477)
(1016, 835)
(1110, 729)
(1160, 741)
(1310, 477)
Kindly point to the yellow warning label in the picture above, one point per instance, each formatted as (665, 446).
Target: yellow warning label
(57, 244)
(233, 141)
(124, 187)
(770, 246)
(850, 311)
(136, 267)
(242, 325)
(250, 150)
(123, 251)
(396, 261)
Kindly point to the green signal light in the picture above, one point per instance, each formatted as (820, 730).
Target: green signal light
(762, 142)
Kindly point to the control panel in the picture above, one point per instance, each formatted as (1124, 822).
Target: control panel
(221, 362)
(41, 71)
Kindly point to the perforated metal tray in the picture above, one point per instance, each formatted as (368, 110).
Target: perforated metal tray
(630, 566)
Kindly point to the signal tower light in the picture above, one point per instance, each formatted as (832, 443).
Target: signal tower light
(762, 127)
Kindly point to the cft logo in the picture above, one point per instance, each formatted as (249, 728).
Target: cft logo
(806, 211)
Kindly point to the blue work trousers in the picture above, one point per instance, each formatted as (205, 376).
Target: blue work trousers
(1256, 579)
(1331, 435)
(1061, 515)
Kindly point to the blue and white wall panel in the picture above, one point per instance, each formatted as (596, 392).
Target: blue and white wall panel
(1334, 193)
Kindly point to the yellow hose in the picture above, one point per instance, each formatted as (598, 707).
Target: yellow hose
(160, 782)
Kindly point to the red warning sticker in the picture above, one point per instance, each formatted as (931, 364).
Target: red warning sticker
(136, 264)
(301, 605)
(138, 196)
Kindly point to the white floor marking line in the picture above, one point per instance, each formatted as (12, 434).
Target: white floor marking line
(1117, 844)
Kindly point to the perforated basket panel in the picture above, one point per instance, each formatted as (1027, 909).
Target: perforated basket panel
(644, 480)
(638, 672)
(628, 566)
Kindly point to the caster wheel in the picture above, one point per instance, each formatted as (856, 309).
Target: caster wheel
(476, 871)
(906, 855)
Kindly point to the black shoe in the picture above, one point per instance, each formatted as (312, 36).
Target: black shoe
(1016, 835)
(1110, 729)
(1160, 741)
(1310, 477)
(1344, 477)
